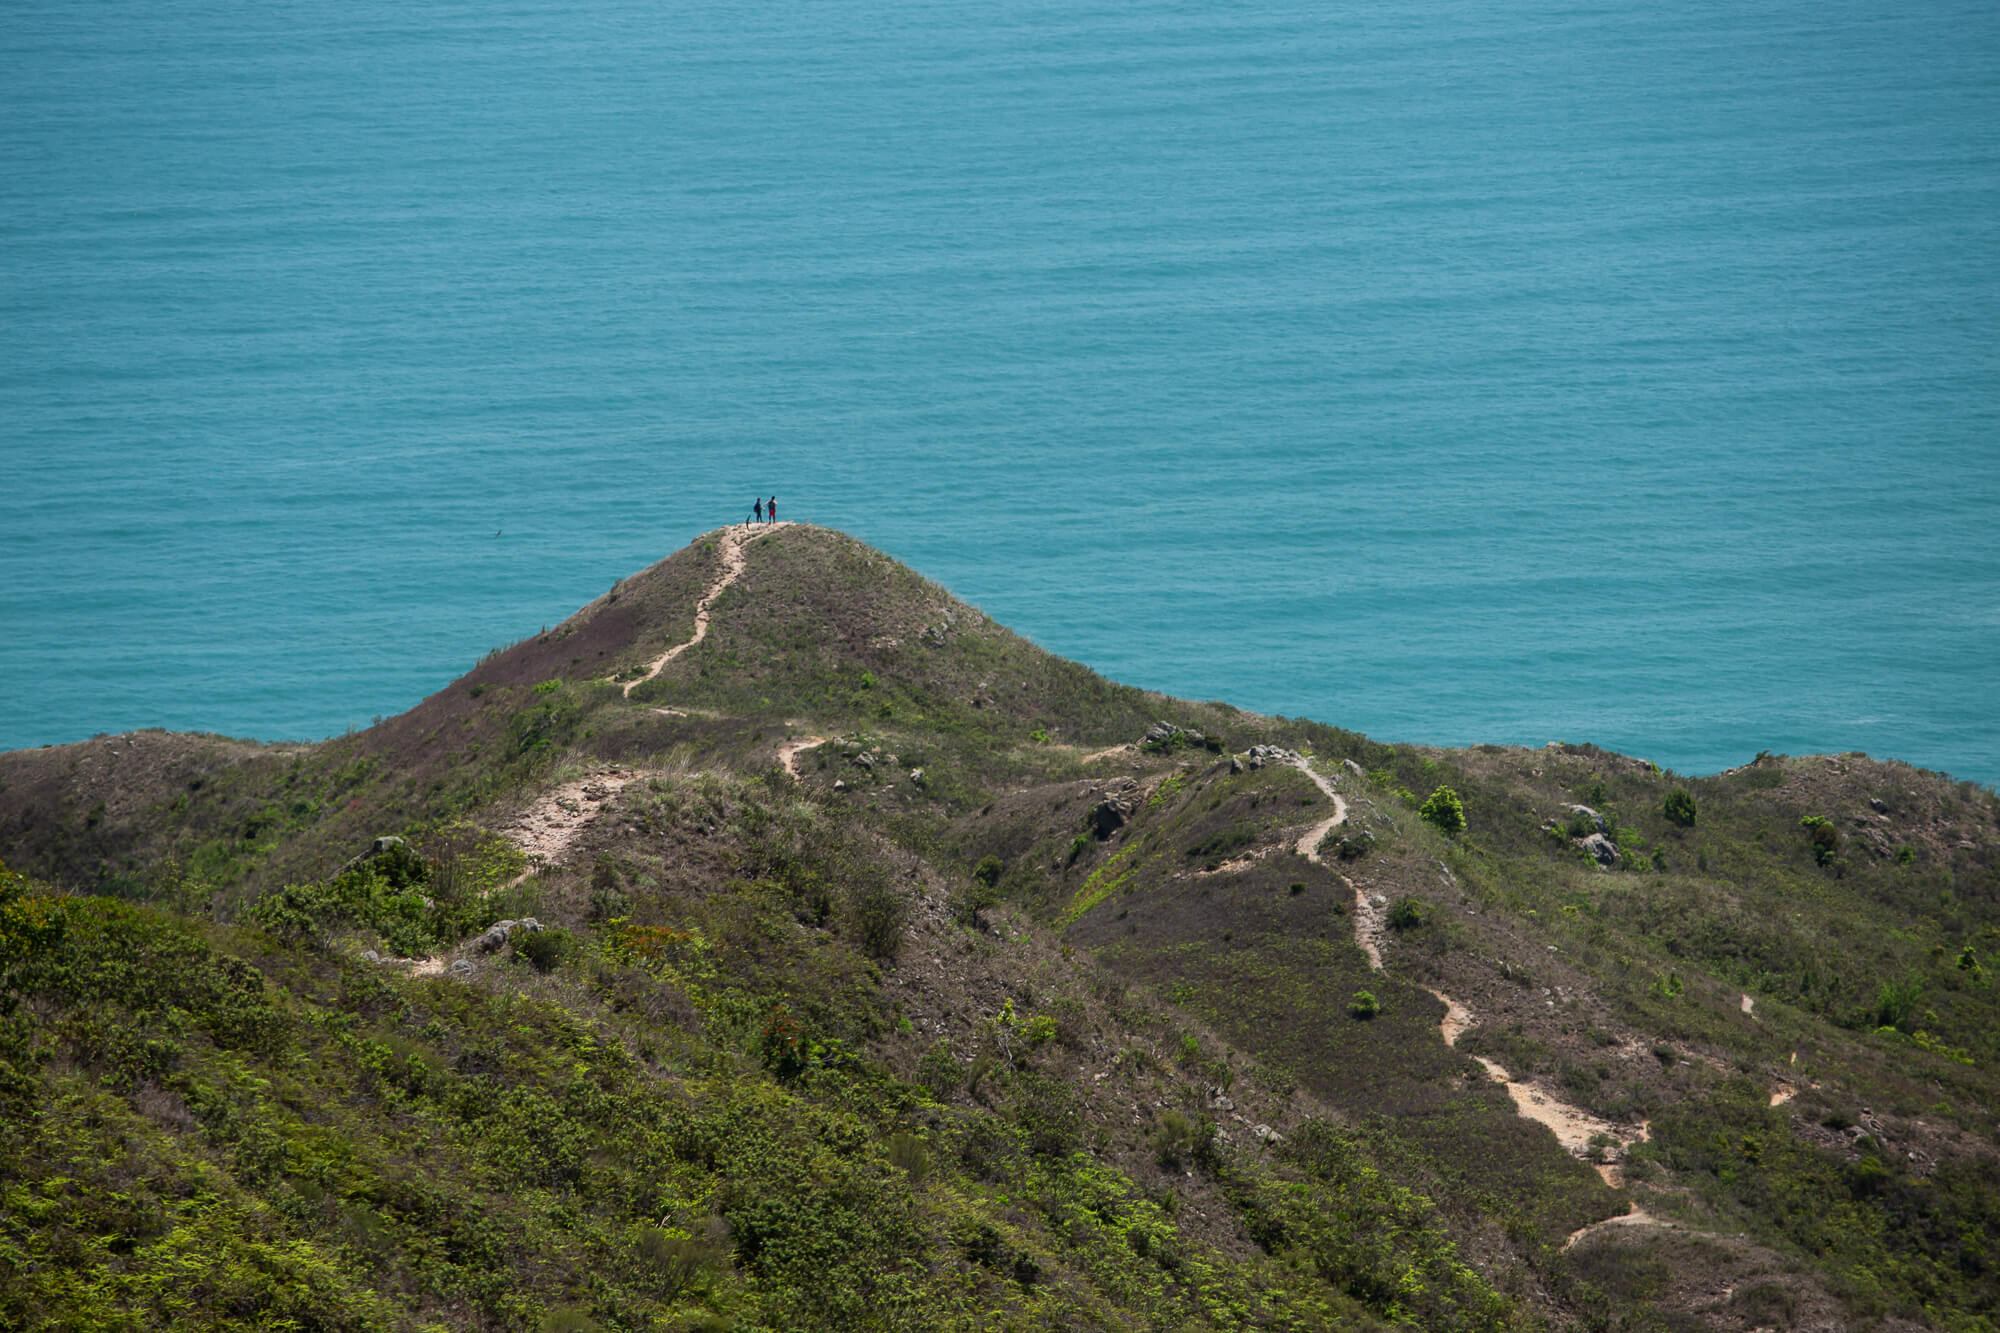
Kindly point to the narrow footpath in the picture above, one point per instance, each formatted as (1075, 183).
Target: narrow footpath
(789, 752)
(733, 561)
(1572, 1126)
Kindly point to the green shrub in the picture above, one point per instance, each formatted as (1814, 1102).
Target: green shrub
(1679, 808)
(1445, 810)
(1050, 1113)
(879, 915)
(1896, 1003)
(1072, 1021)
(1408, 914)
(907, 1153)
(1364, 1004)
(1178, 1141)
(545, 950)
(982, 1064)
(1825, 838)
(971, 903)
(939, 1071)
(677, 1261)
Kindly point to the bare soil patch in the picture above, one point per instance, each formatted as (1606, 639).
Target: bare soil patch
(789, 752)
(553, 821)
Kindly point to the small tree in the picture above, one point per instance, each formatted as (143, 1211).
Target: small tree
(1364, 1004)
(1408, 914)
(1445, 810)
(1679, 808)
(1825, 837)
(1896, 1003)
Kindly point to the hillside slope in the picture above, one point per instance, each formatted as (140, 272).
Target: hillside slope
(887, 971)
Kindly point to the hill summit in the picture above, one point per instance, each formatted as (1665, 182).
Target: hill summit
(778, 942)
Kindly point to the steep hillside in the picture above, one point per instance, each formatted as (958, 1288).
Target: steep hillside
(780, 943)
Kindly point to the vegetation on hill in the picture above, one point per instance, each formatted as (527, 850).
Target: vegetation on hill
(1000, 996)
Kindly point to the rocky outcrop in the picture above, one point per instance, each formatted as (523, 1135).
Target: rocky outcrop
(1108, 816)
(1257, 756)
(1163, 737)
(500, 931)
(1601, 849)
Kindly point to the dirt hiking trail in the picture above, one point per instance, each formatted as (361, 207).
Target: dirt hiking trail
(1573, 1127)
(733, 560)
(552, 822)
(789, 752)
(1310, 840)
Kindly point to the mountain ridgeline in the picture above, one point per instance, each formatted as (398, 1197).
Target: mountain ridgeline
(779, 943)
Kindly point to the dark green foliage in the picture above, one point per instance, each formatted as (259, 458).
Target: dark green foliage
(1382, 1244)
(1884, 1235)
(1181, 1141)
(545, 950)
(939, 1072)
(908, 1153)
(1049, 1114)
(1409, 914)
(1364, 1004)
(879, 915)
(972, 901)
(1825, 838)
(414, 904)
(1444, 810)
(1896, 1003)
(1678, 807)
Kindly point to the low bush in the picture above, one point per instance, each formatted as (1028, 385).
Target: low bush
(1824, 836)
(1409, 913)
(1444, 810)
(939, 1071)
(544, 950)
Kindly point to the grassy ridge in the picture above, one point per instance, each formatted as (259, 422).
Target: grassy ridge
(973, 1026)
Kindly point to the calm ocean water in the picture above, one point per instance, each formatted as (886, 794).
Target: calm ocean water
(1462, 372)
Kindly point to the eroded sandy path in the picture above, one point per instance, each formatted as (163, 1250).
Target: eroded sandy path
(733, 560)
(1368, 923)
(1310, 840)
(1573, 1127)
(1371, 923)
(789, 752)
(552, 822)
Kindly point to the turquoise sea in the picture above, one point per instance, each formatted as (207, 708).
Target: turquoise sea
(1460, 372)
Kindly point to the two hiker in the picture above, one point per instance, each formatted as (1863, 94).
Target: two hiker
(757, 509)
